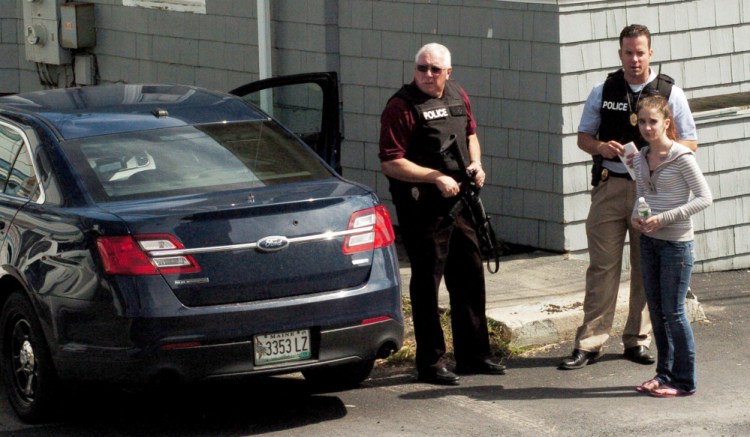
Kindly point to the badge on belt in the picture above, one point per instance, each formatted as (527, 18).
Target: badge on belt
(415, 193)
(605, 174)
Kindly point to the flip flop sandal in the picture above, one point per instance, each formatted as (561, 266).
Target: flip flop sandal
(648, 386)
(669, 392)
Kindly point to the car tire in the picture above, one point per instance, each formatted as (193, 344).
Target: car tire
(27, 370)
(341, 376)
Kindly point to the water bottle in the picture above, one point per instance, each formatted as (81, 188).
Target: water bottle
(644, 210)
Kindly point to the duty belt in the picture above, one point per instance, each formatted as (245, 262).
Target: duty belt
(606, 174)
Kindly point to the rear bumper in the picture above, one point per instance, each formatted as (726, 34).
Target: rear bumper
(225, 360)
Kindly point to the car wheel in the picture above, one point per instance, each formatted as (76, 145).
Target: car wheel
(27, 370)
(339, 377)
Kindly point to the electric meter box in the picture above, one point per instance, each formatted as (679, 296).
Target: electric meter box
(77, 25)
(41, 32)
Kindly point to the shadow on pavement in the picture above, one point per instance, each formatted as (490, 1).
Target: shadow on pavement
(499, 392)
(246, 407)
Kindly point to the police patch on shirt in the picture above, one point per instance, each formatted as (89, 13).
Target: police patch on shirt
(615, 106)
(435, 113)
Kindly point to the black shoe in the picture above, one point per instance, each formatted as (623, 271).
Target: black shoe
(483, 367)
(579, 359)
(438, 375)
(639, 354)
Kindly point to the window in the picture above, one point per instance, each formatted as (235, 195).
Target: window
(192, 160)
(196, 6)
(298, 107)
(16, 171)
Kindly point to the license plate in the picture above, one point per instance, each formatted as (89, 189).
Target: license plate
(282, 346)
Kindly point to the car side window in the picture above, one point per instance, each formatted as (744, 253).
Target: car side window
(298, 107)
(10, 142)
(16, 171)
(22, 181)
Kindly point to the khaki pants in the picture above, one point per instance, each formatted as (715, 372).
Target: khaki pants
(606, 226)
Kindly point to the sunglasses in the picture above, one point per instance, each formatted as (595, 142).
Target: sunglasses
(434, 70)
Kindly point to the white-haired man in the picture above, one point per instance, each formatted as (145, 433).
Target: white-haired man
(417, 124)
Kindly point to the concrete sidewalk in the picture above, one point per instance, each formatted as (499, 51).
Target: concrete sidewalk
(538, 296)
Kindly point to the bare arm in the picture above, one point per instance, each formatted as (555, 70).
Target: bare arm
(589, 144)
(475, 156)
(691, 144)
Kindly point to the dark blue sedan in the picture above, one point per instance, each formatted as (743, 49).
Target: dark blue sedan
(156, 233)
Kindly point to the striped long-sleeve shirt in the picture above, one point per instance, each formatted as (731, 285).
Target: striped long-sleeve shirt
(668, 190)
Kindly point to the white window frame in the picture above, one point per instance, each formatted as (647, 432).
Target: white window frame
(194, 6)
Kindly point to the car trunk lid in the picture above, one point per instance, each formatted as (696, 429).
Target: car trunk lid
(253, 246)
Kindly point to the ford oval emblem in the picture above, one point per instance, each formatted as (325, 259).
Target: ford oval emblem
(272, 243)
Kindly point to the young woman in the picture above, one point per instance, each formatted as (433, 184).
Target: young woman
(666, 174)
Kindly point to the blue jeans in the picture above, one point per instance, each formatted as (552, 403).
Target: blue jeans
(666, 267)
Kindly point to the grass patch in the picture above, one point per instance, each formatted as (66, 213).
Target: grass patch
(499, 340)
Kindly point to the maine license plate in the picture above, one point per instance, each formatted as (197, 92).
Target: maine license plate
(282, 346)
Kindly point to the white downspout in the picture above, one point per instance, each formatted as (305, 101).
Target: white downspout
(264, 52)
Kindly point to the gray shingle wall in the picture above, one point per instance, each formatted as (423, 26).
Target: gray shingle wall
(528, 67)
(722, 241)
(10, 50)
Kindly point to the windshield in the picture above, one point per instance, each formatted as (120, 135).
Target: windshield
(191, 159)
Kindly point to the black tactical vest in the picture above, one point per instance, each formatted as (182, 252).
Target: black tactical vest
(440, 121)
(617, 98)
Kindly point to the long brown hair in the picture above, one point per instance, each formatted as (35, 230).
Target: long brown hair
(660, 104)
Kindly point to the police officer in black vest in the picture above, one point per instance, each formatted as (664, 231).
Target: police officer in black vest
(608, 122)
(417, 125)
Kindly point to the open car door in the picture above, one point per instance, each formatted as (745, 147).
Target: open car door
(308, 104)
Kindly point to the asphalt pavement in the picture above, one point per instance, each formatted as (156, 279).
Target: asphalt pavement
(539, 295)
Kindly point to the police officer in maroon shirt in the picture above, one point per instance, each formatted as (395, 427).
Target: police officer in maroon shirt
(417, 124)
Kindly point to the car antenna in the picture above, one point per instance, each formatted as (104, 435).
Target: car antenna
(160, 113)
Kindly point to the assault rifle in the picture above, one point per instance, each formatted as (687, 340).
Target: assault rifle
(468, 197)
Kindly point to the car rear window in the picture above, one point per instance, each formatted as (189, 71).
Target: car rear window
(191, 159)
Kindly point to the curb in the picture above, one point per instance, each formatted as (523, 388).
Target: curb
(557, 320)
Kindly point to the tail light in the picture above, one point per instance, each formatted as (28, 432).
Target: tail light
(130, 255)
(376, 320)
(377, 230)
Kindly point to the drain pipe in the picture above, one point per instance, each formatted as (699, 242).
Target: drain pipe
(264, 52)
